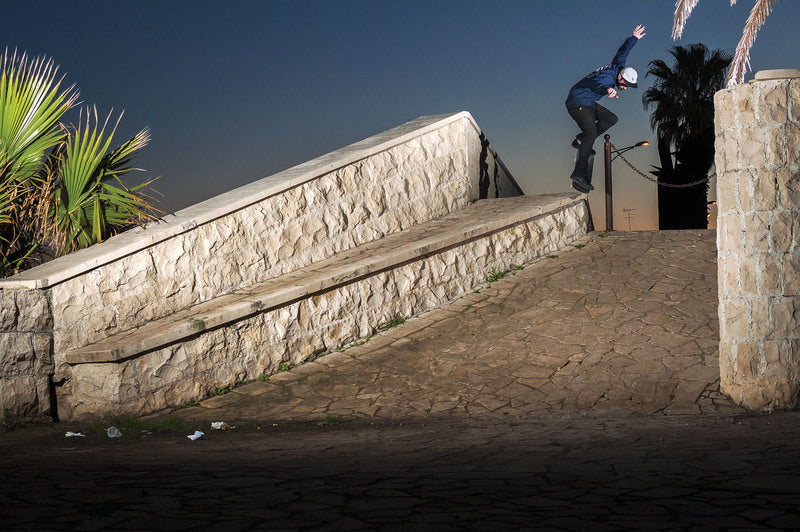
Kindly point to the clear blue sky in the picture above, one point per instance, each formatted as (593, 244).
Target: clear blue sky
(238, 90)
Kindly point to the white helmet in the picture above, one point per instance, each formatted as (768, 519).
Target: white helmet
(630, 76)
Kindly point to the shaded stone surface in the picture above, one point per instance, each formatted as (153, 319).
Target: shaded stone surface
(638, 324)
(548, 473)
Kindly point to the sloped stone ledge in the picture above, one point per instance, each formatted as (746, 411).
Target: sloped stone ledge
(388, 183)
(207, 211)
(480, 219)
(339, 307)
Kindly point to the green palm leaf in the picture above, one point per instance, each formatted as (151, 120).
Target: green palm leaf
(88, 209)
(31, 105)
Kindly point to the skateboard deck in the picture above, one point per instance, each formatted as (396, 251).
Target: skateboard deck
(589, 170)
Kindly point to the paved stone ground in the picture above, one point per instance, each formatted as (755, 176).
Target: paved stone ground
(622, 324)
(580, 392)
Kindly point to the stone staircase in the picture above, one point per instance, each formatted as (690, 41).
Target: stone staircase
(276, 272)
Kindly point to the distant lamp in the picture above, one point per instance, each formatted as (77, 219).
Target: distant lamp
(608, 153)
(623, 150)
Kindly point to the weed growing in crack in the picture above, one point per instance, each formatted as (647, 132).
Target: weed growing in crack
(398, 320)
(495, 275)
(11, 422)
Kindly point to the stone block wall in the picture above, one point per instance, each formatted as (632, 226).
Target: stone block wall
(26, 353)
(758, 241)
(423, 178)
(416, 172)
(290, 334)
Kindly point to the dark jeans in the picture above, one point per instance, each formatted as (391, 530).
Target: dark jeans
(593, 121)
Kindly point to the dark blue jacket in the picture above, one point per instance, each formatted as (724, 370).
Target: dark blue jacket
(595, 85)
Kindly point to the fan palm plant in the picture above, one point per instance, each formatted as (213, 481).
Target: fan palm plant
(56, 181)
(86, 205)
(741, 61)
(682, 99)
(31, 105)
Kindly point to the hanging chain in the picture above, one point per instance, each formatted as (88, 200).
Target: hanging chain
(656, 181)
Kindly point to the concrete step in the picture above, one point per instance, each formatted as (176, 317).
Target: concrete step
(482, 218)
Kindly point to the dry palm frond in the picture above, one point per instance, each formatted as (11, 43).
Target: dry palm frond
(741, 61)
(683, 8)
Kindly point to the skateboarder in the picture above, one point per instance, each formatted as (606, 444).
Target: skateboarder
(593, 118)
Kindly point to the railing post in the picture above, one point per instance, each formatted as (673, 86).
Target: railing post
(609, 200)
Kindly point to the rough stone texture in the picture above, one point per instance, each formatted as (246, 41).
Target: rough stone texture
(614, 325)
(26, 353)
(428, 174)
(422, 179)
(758, 195)
(401, 187)
(326, 321)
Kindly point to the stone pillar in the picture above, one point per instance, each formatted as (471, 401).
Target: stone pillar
(758, 239)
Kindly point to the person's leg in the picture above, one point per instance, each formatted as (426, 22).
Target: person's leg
(605, 119)
(585, 118)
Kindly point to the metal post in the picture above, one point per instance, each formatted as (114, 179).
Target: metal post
(609, 200)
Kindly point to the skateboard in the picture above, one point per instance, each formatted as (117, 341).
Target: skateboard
(579, 185)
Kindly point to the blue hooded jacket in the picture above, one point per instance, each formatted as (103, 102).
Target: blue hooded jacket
(595, 86)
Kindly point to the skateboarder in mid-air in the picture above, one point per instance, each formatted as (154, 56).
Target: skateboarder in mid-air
(593, 118)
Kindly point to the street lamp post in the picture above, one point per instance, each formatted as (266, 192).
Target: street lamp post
(609, 196)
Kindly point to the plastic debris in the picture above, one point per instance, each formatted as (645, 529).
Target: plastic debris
(220, 425)
(113, 432)
(71, 434)
(196, 436)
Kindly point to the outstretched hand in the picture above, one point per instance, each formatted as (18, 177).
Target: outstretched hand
(638, 32)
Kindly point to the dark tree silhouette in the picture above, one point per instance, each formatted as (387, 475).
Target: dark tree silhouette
(682, 99)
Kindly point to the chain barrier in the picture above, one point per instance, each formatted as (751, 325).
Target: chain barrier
(656, 181)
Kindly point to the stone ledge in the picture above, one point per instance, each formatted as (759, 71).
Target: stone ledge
(187, 219)
(482, 218)
(781, 73)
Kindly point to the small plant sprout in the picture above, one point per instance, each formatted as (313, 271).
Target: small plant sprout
(495, 275)
(394, 322)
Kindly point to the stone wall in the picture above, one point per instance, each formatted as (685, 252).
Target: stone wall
(758, 240)
(26, 353)
(292, 333)
(416, 172)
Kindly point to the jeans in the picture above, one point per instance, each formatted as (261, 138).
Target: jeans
(593, 120)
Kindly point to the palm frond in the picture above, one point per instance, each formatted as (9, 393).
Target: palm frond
(741, 61)
(86, 208)
(683, 8)
(31, 104)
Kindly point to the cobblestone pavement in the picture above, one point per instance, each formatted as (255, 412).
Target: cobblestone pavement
(622, 324)
(579, 393)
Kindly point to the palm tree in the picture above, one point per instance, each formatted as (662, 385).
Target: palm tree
(55, 181)
(741, 62)
(682, 99)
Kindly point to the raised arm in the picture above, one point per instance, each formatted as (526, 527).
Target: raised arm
(624, 50)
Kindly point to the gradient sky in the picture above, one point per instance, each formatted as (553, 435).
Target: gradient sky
(235, 91)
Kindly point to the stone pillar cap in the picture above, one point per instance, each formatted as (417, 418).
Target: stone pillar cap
(782, 73)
